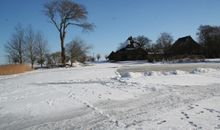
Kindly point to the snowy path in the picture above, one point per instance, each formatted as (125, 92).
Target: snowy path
(96, 97)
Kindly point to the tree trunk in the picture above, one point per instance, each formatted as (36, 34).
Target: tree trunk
(42, 58)
(71, 63)
(32, 65)
(20, 57)
(20, 52)
(63, 57)
(20, 60)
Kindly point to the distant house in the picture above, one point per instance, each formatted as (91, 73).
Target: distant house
(132, 51)
(185, 46)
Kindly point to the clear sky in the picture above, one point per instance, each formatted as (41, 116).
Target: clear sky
(115, 20)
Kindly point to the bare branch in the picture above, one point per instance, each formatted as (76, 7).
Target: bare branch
(85, 26)
(15, 47)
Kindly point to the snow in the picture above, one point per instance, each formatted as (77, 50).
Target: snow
(213, 60)
(120, 96)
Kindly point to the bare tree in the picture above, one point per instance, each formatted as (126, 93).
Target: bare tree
(42, 48)
(16, 45)
(143, 41)
(164, 42)
(12, 58)
(77, 50)
(209, 38)
(64, 13)
(98, 56)
(31, 46)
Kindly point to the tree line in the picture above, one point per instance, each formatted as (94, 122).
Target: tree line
(29, 46)
(26, 45)
(207, 36)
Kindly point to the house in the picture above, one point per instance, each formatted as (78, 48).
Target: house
(185, 46)
(132, 51)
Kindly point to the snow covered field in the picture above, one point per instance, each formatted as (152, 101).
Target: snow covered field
(117, 96)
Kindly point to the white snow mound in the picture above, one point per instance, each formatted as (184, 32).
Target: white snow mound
(177, 72)
(153, 73)
(201, 70)
(162, 73)
(132, 75)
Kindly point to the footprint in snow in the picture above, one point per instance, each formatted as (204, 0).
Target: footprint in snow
(217, 127)
(161, 122)
(192, 124)
(218, 117)
(186, 115)
(190, 107)
(212, 110)
(87, 105)
(200, 112)
(50, 102)
(209, 110)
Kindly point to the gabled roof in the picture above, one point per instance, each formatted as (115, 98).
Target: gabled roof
(185, 46)
(183, 41)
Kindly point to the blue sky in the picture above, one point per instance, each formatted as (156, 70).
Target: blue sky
(115, 20)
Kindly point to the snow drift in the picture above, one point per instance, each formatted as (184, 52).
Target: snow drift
(163, 73)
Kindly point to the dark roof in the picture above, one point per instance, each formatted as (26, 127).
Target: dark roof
(132, 51)
(128, 54)
(186, 46)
